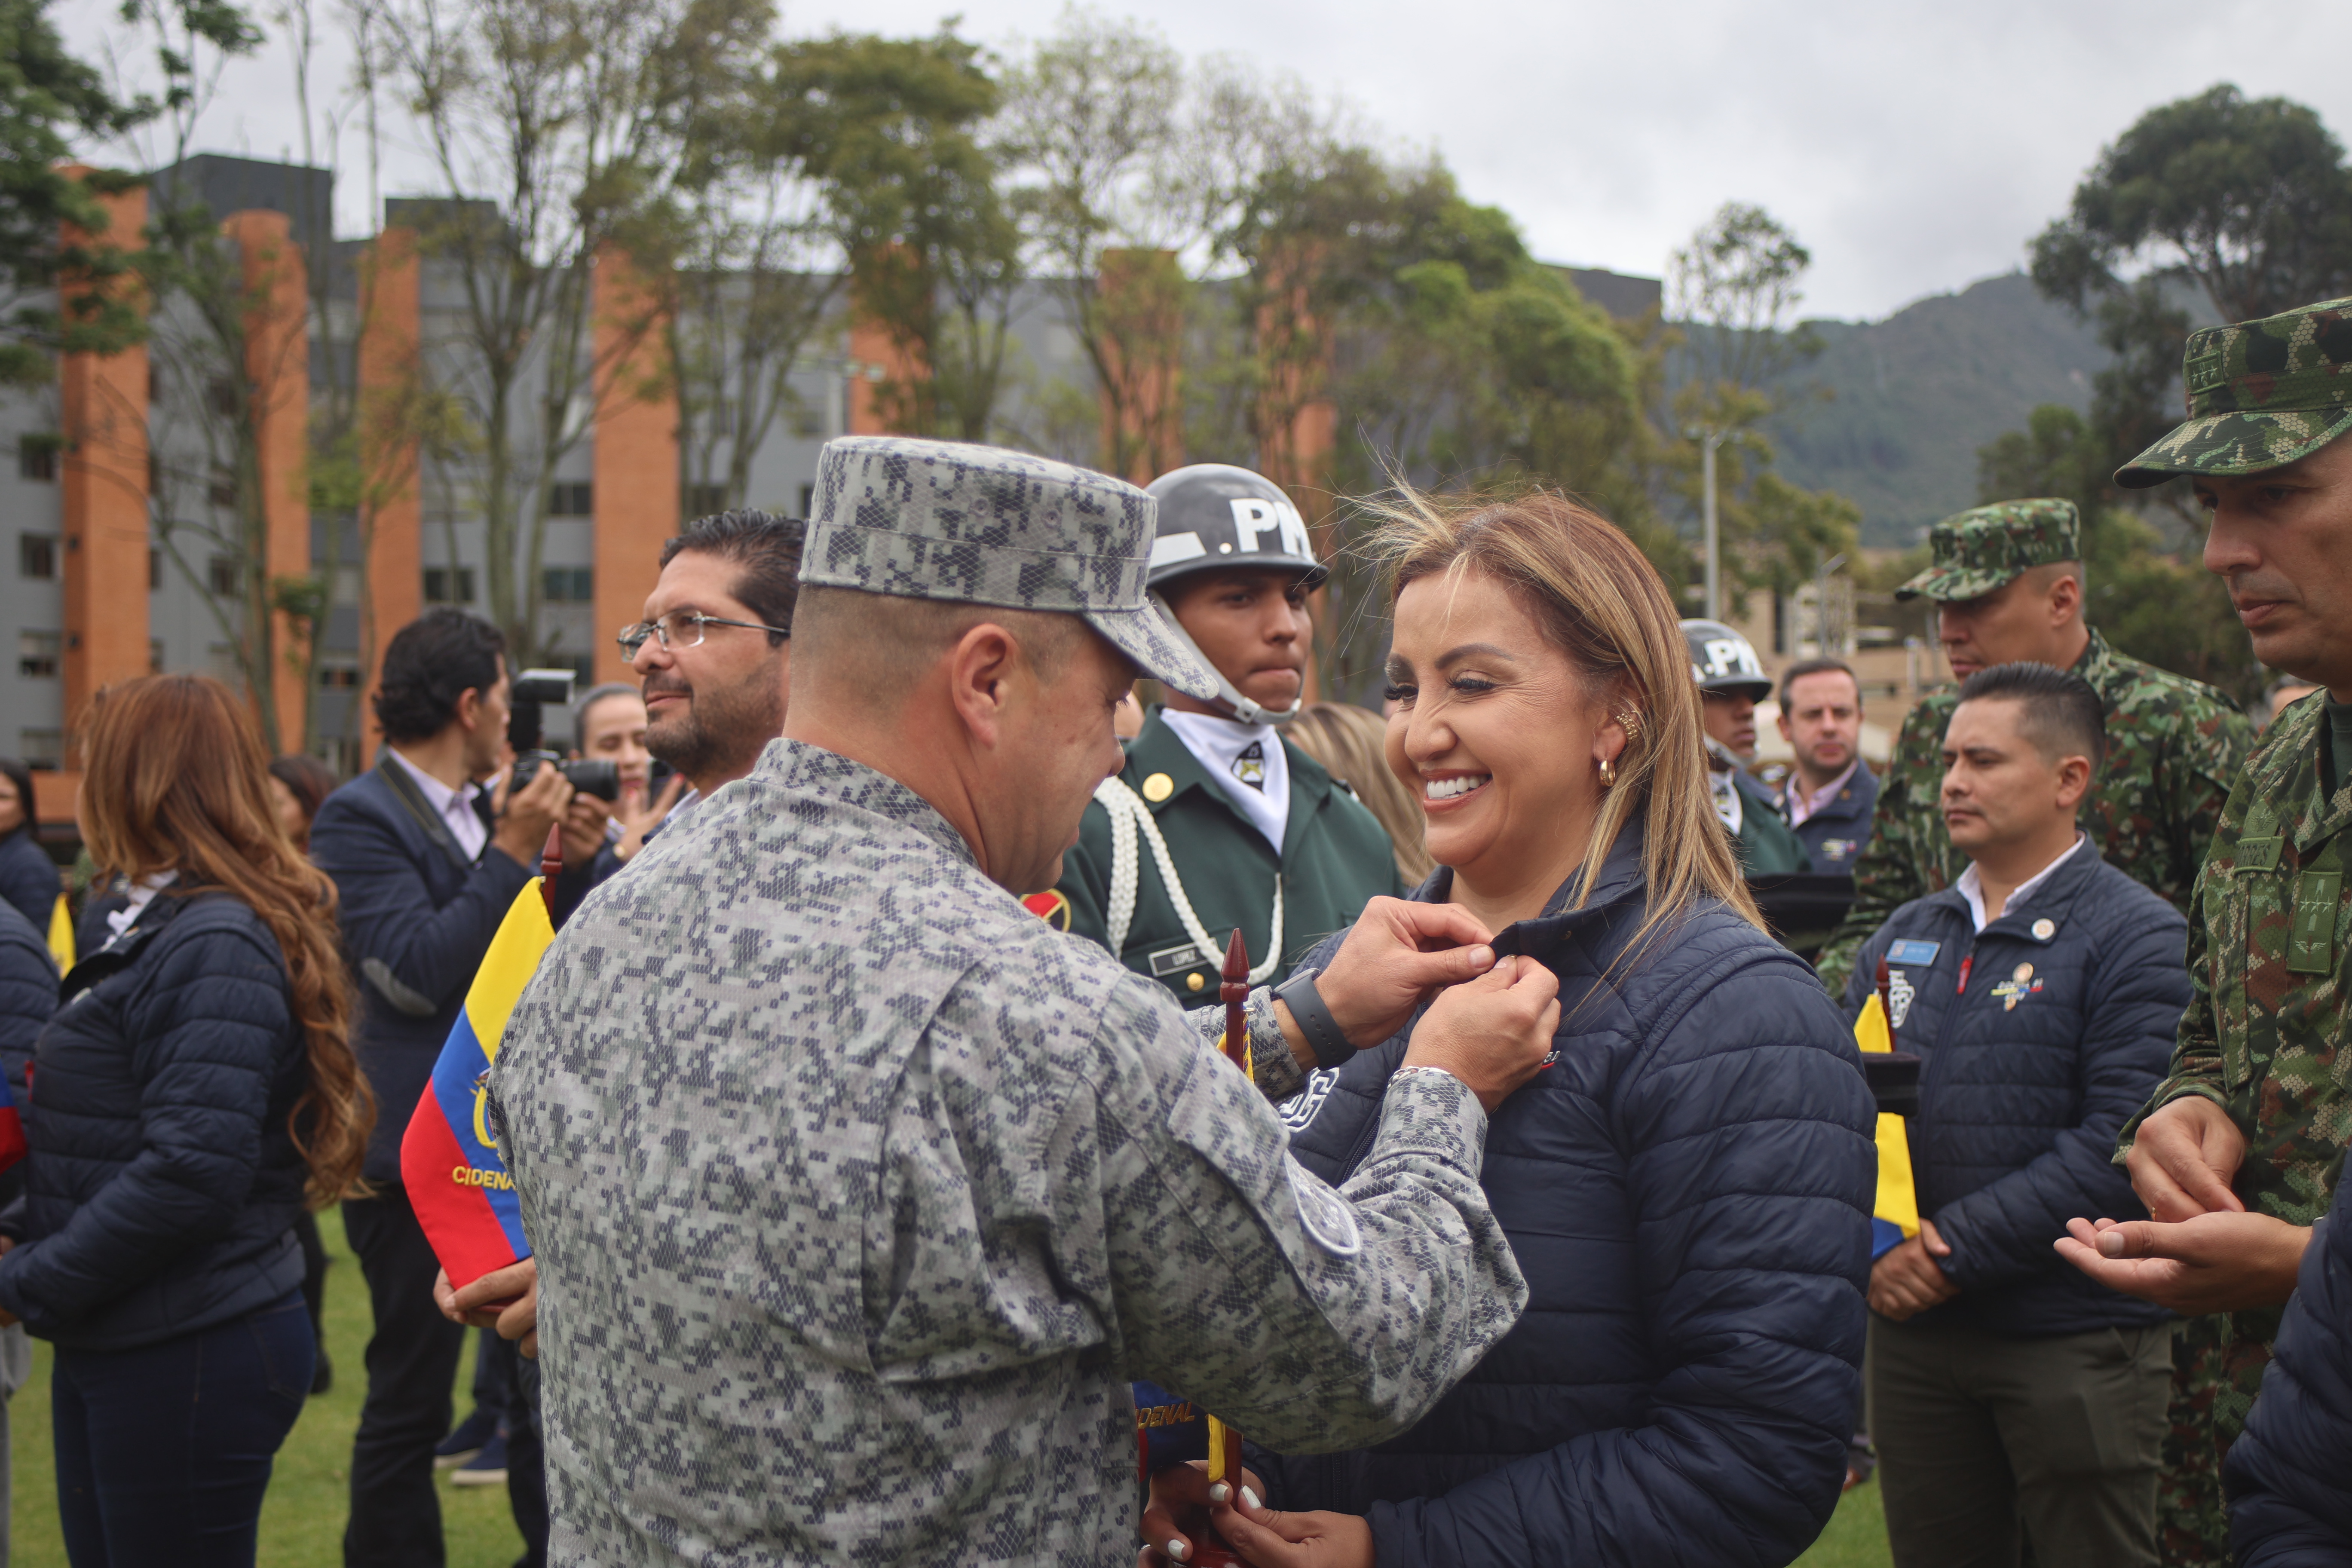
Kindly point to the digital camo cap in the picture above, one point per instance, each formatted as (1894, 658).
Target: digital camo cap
(2261, 394)
(983, 525)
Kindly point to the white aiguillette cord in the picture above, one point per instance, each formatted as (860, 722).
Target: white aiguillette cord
(1130, 817)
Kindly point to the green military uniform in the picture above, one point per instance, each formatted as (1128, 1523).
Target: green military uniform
(1336, 858)
(1765, 846)
(2269, 929)
(2173, 745)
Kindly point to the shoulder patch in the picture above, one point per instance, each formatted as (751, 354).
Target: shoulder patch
(1300, 1108)
(1329, 1223)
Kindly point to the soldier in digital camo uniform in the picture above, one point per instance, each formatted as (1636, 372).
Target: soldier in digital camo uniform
(2008, 583)
(2240, 1145)
(859, 1193)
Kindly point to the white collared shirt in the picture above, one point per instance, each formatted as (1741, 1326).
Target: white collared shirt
(1803, 806)
(456, 807)
(1248, 762)
(1971, 886)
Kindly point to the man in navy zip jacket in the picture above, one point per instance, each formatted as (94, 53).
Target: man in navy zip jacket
(2008, 1392)
(424, 875)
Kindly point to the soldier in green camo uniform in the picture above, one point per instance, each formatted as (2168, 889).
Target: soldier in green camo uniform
(2240, 1146)
(2008, 583)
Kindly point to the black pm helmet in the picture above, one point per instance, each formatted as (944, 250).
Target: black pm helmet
(1722, 661)
(1214, 516)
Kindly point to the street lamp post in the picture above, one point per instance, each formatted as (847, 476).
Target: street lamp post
(1822, 607)
(1708, 441)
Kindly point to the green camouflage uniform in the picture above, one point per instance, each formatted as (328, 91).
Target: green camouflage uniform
(2173, 745)
(2267, 931)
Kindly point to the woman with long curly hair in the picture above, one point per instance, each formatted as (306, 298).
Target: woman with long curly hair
(196, 1090)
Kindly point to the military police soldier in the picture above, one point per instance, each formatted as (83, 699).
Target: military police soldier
(2006, 580)
(859, 1193)
(1731, 682)
(2242, 1143)
(1216, 822)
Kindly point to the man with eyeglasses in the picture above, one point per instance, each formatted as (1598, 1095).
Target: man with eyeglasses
(714, 653)
(714, 658)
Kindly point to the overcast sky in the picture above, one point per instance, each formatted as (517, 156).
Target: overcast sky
(1915, 147)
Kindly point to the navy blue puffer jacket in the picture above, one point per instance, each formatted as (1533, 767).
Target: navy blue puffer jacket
(2289, 1505)
(1688, 1192)
(2073, 1001)
(163, 1183)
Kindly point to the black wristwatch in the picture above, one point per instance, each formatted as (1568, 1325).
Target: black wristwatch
(1314, 1021)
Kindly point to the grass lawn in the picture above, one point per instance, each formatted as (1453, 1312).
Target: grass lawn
(302, 1520)
(309, 1496)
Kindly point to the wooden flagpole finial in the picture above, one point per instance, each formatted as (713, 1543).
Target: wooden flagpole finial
(1234, 993)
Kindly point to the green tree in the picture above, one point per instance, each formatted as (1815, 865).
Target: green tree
(48, 100)
(2149, 603)
(2246, 202)
(914, 202)
(1733, 292)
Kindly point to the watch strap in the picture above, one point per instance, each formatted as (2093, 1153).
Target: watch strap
(1314, 1021)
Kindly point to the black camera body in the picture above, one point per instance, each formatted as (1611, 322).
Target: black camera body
(532, 692)
(589, 775)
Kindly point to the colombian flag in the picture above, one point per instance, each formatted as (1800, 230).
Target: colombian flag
(449, 1157)
(12, 1127)
(1895, 1216)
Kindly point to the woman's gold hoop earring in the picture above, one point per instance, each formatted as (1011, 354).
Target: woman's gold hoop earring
(1607, 774)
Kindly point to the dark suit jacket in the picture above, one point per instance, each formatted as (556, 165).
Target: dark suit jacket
(1835, 835)
(29, 879)
(417, 916)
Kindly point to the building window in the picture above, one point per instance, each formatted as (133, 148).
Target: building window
(568, 584)
(37, 555)
(43, 751)
(575, 500)
(339, 676)
(808, 499)
(154, 656)
(221, 396)
(448, 584)
(704, 500)
(37, 655)
(222, 576)
(221, 488)
(37, 459)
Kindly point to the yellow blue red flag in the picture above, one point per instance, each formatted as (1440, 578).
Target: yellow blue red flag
(1895, 1215)
(449, 1156)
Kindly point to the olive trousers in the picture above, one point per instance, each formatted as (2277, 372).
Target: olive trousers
(1987, 1442)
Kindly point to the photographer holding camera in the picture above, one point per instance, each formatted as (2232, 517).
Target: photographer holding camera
(425, 873)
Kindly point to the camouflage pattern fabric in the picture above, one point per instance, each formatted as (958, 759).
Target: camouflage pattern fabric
(2270, 960)
(981, 525)
(2173, 747)
(1978, 550)
(860, 1193)
(2261, 393)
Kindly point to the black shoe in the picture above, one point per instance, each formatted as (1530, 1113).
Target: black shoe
(466, 1441)
(322, 1377)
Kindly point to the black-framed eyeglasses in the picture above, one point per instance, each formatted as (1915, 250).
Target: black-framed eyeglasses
(683, 628)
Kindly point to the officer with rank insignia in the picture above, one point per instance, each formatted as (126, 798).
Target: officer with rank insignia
(1731, 682)
(2242, 1144)
(860, 1194)
(2008, 583)
(1216, 822)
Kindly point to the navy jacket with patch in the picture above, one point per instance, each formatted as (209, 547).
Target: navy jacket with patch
(160, 1191)
(2030, 1074)
(1688, 1192)
(2289, 1506)
(418, 916)
(1834, 835)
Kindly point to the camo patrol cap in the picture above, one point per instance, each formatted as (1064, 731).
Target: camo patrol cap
(1978, 550)
(2261, 394)
(982, 525)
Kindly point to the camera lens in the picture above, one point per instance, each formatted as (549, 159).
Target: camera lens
(594, 775)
